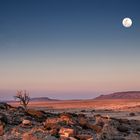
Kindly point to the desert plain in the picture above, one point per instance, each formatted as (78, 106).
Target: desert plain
(110, 107)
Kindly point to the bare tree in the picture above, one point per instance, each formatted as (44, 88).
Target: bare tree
(23, 98)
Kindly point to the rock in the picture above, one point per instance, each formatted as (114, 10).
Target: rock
(123, 128)
(99, 120)
(15, 132)
(26, 122)
(72, 138)
(3, 122)
(57, 122)
(118, 138)
(84, 136)
(91, 138)
(16, 124)
(28, 136)
(67, 132)
(20, 109)
(28, 118)
(138, 129)
(96, 128)
(1, 129)
(123, 121)
(132, 136)
(83, 110)
(54, 132)
(3, 118)
(38, 115)
(4, 105)
(108, 132)
(67, 117)
(82, 121)
(49, 137)
(132, 114)
(15, 120)
(51, 123)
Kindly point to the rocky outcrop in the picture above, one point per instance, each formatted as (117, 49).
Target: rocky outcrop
(32, 124)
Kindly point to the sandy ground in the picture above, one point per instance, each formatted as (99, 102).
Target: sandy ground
(112, 108)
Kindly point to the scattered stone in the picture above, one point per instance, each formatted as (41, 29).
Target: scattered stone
(83, 121)
(3, 118)
(18, 124)
(132, 114)
(96, 128)
(37, 115)
(123, 128)
(26, 122)
(84, 137)
(1, 129)
(67, 118)
(52, 123)
(49, 137)
(83, 110)
(72, 138)
(28, 136)
(67, 132)
(20, 109)
(54, 131)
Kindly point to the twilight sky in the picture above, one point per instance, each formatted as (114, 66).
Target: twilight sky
(68, 48)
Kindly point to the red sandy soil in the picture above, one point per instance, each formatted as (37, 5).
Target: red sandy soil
(87, 104)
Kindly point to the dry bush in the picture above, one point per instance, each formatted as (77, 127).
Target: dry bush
(23, 97)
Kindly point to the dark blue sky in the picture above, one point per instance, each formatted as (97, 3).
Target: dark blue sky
(59, 47)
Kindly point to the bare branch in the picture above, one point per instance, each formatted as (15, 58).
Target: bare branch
(23, 98)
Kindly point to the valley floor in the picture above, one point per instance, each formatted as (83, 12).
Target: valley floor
(129, 109)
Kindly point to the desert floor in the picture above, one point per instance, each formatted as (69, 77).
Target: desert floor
(129, 109)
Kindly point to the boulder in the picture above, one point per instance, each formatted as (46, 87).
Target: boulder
(1, 129)
(99, 120)
(82, 121)
(67, 117)
(34, 113)
(109, 132)
(26, 122)
(38, 115)
(95, 128)
(29, 136)
(51, 123)
(67, 132)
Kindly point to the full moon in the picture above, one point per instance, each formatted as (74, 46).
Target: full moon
(127, 22)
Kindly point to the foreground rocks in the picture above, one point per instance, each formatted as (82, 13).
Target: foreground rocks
(18, 124)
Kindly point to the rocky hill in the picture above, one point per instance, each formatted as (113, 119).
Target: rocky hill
(121, 95)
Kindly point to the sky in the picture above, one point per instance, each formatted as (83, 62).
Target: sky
(68, 49)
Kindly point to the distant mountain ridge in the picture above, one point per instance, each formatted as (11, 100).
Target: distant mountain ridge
(120, 95)
(41, 99)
